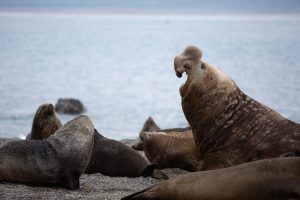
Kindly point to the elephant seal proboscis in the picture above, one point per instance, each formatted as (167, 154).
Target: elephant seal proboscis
(229, 127)
(58, 160)
(269, 179)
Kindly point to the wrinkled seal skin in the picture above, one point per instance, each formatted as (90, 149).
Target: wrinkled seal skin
(57, 161)
(113, 158)
(151, 126)
(45, 123)
(169, 148)
(229, 127)
(269, 179)
(172, 150)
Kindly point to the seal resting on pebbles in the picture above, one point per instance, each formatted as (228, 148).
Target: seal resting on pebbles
(169, 148)
(269, 179)
(113, 158)
(109, 157)
(57, 161)
(45, 123)
(229, 127)
(172, 150)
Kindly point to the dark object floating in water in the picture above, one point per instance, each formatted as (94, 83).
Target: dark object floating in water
(69, 106)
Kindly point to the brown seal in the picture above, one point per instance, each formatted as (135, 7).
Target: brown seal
(45, 123)
(229, 127)
(109, 157)
(172, 150)
(113, 158)
(277, 178)
(169, 148)
(151, 126)
(57, 161)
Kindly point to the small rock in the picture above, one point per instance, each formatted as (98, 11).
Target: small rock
(69, 106)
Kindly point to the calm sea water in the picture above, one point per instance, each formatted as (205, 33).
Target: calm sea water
(121, 66)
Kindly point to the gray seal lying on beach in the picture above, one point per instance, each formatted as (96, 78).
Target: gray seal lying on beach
(113, 158)
(169, 148)
(269, 179)
(45, 123)
(109, 157)
(58, 160)
(229, 127)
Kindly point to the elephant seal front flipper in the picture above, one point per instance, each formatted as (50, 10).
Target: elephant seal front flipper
(58, 160)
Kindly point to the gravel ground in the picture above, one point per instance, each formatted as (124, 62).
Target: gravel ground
(95, 186)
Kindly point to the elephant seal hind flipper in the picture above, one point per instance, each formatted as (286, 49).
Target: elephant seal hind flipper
(151, 170)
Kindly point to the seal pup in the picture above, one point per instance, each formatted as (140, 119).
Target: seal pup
(229, 127)
(45, 123)
(151, 126)
(113, 158)
(269, 179)
(58, 160)
(168, 148)
(172, 150)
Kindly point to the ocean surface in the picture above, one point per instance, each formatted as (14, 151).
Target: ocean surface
(121, 65)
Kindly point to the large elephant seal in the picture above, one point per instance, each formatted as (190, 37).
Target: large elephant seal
(45, 123)
(169, 148)
(57, 161)
(229, 127)
(113, 158)
(277, 178)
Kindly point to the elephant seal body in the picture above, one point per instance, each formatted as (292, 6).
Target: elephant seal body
(172, 150)
(113, 158)
(57, 161)
(277, 178)
(169, 148)
(45, 123)
(229, 127)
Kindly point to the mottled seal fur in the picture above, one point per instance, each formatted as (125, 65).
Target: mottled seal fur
(151, 126)
(277, 178)
(229, 127)
(113, 158)
(172, 150)
(169, 148)
(57, 161)
(109, 157)
(45, 123)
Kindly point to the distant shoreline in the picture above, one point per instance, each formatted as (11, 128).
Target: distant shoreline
(139, 11)
(148, 13)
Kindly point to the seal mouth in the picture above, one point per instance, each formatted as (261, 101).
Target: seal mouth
(179, 71)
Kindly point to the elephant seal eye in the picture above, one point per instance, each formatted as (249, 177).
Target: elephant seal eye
(203, 66)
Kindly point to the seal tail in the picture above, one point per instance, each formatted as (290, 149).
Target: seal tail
(151, 170)
(140, 195)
